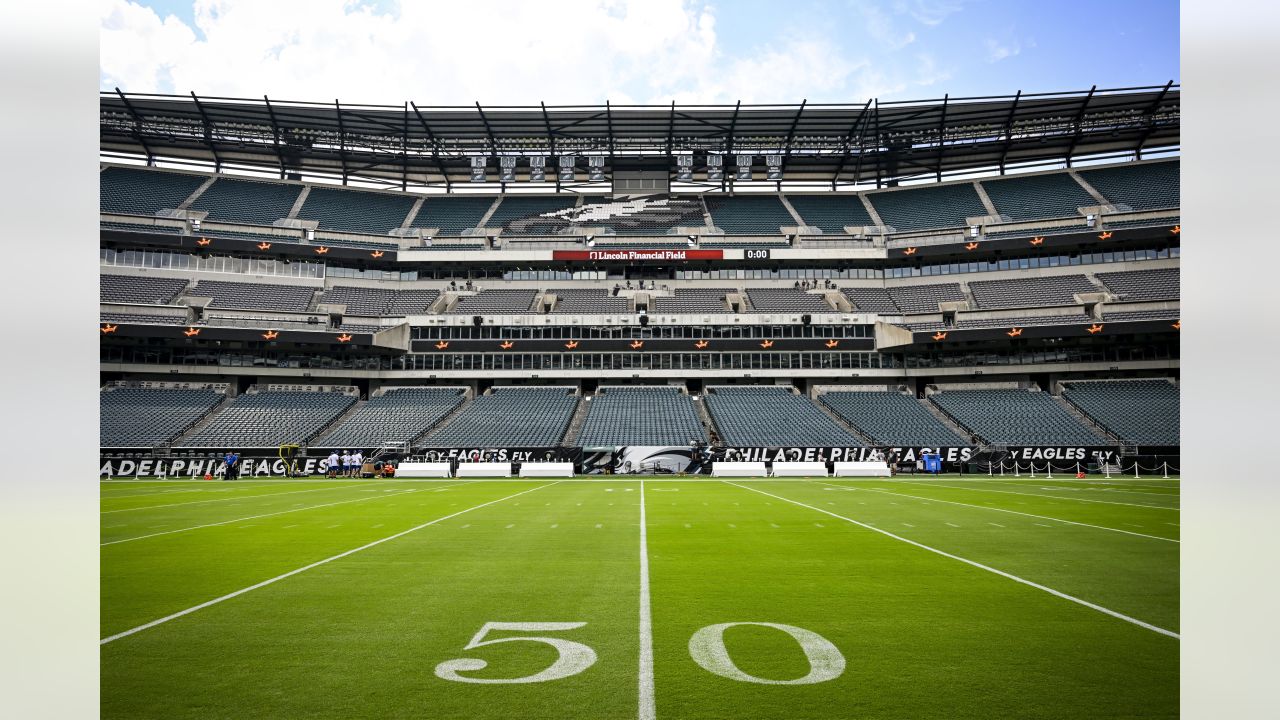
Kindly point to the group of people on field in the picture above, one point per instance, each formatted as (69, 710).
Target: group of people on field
(348, 464)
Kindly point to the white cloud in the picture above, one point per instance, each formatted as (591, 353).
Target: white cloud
(997, 51)
(928, 72)
(928, 12)
(138, 49)
(881, 26)
(500, 52)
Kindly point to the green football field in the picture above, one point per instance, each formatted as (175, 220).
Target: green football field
(951, 597)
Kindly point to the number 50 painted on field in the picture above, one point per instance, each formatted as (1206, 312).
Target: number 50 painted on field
(706, 647)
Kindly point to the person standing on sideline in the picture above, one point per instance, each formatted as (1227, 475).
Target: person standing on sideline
(331, 468)
(346, 464)
(357, 463)
(231, 459)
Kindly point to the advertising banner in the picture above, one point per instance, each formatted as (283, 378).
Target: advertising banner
(196, 468)
(638, 255)
(834, 454)
(511, 455)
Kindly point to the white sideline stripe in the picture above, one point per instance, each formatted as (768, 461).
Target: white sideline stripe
(304, 568)
(240, 497)
(980, 566)
(1054, 497)
(647, 710)
(1017, 512)
(255, 517)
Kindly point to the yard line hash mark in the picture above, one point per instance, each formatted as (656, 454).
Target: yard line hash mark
(1054, 497)
(251, 517)
(199, 502)
(980, 566)
(304, 568)
(1016, 512)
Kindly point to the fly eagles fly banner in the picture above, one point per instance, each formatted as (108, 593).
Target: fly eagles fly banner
(514, 455)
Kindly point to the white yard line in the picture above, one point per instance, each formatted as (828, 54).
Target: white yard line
(1055, 485)
(255, 517)
(196, 481)
(304, 568)
(1053, 497)
(646, 710)
(1017, 512)
(980, 566)
(225, 499)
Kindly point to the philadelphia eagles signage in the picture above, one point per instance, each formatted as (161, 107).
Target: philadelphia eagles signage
(834, 454)
(196, 468)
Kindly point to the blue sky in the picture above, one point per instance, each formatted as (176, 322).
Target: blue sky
(634, 50)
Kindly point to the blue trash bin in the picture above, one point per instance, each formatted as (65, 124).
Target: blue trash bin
(932, 463)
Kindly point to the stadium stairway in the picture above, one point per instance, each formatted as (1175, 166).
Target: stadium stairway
(577, 421)
(961, 431)
(708, 423)
(866, 439)
(200, 424)
(1088, 421)
(466, 400)
(960, 428)
(336, 422)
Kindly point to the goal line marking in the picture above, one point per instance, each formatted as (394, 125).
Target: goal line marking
(980, 566)
(1013, 512)
(304, 568)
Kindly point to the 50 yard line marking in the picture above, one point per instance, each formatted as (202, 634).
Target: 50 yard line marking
(646, 709)
(980, 566)
(304, 568)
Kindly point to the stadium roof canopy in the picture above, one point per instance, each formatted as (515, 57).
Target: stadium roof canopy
(415, 145)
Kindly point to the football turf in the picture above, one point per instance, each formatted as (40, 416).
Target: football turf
(872, 598)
